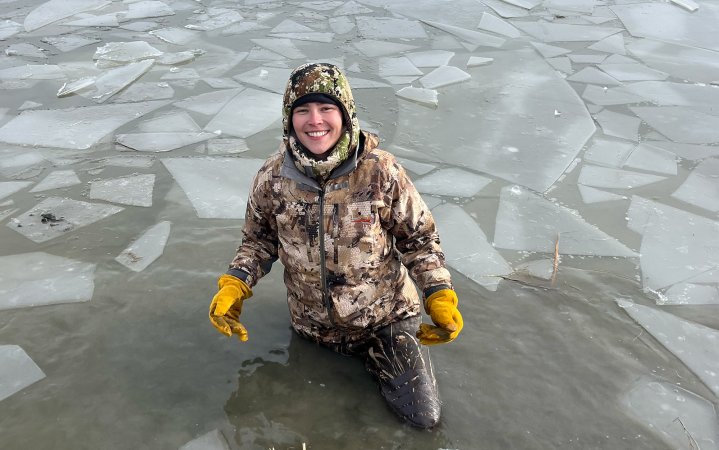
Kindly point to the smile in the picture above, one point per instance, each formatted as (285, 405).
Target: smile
(317, 133)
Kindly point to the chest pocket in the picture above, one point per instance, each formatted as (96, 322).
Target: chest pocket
(298, 229)
(357, 234)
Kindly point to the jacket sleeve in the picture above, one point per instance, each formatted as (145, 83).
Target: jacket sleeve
(258, 250)
(413, 227)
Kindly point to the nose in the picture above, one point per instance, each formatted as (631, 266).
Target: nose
(315, 116)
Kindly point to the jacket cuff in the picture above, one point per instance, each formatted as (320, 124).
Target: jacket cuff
(242, 275)
(433, 289)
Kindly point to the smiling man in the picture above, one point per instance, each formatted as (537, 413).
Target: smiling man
(355, 237)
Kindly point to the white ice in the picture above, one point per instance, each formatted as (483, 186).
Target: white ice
(613, 44)
(55, 10)
(692, 294)
(211, 184)
(57, 179)
(694, 344)
(17, 370)
(7, 188)
(213, 440)
(147, 8)
(178, 36)
(494, 24)
(248, 113)
(271, 78)
(681, 124)
(373, 48)
(125, 52)
(161, 141)
(146, 248)
(562, 32)
(466, 247)
(424, 96)
(38, 278)
(114, 80)
(673, 413)
(430, 58)
(619, 125)
(284, 47)
(526, 221)
(135, 190)
(9, 28)
(471, 36)
(67, 43)
(452, 182)
(701, 188)
(444, 76)
(607, 177)
(592, 195)
(76, 128)
(608, 152)
(650, 158)
(475, 61)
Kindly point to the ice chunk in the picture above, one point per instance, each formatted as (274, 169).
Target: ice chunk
(423, 96)
(146, 248)
(689, 5)
(416, 167)
(586, 59)
(473, 37)
(466, 247)
(140, 162)
(226, 18)
(76, 128)
(614, 96)
(691, 294)
(549, 51)
(226, 146)
(9, 28)
(526, 4)
(619, 125)
(591, 195)
(242, 27)
(505, 10)
(694, 344)
(609, 152)
(89, 20)
(371, 27)
(452, 182)
(114, 80)
(34, 279)
(488, 22)
(54, 10)
(133, 190)
(594, 76)
(170, 59)
(563, 32)
(430, 58)
(147, 8)
(178, 36)
(475, 61)
(526, 221)
(351, 8)
(221, 83)
(612, 44)
(670, 24)
(17, 370)
(312, 37)
(181, 74)
(57, 179)
(687, 151)
(209, 103)
(444, 76)
(679, 94)
(674, 413)
(361, 83)
(290, 26)
(684, 62)
(270, 78)
(33, 72)
(213, 440)
(178, 121)
(680, 124)
(143, 92)
(543, 268)
(701, 188)
(161, 142)
(373, 48)
(653, 159)
(211, 184)
(140, 26)
(68, 43)
(400, 66)
(25, 49)
(341, 24)
(562, 64)
(283, 47)
(8, 188)
(694, 240)
(29, 104)
(632, 72)
(249, 112)
(606, 177)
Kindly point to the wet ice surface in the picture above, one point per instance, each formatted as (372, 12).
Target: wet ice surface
(568, 149)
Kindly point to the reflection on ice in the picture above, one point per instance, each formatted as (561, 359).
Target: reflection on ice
(34, 279)
(526, 221)
(694, 344)
(55, 216)
(146, 248)
(17, 370)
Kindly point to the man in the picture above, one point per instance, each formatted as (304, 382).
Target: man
(355, 237)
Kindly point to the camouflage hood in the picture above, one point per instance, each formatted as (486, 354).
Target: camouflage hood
(328, 79)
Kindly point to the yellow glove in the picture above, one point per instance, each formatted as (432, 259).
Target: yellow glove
(442, 308)
(226, 306)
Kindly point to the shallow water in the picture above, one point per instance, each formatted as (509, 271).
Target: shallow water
(547, 359)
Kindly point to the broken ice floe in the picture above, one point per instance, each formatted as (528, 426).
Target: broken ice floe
(543, 268)
(163, 141)
(471, 36)
(475, 61)
(489, 22)
(594, 76)
(389, 28)
(38, 278)
(692, 293)
(591, 195)
(284, 47)
(146, 248)
(139, 162)
(632, 72)
(614, 96)
(694, 344)
(651, 158)
(17, 370)
(467, 248)
(25, 49)
(57, 179)
(76, 128)
(613, 44)
(452, 182)
(8, 188)
(270, 78)
(444, 76)
(222, 146)
(211, 184)
(248, 113)
(116, 53)
(619, 125)
(110, 82)
(681, 124)
(374, 48)
(416, 167)
(678, 416)
(135, 190)
(681, 61)
(528, 222)
(562, 32)
(549, 51)
(55, 10)
(147, 8)
(177, 36)
(424, 96)
(213, 440)
(607, 177)
(430, 58)
(608, 152)
(701, 188)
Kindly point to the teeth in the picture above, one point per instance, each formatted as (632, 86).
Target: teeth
(317, 133)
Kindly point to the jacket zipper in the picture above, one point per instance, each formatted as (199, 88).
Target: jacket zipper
(323, 264)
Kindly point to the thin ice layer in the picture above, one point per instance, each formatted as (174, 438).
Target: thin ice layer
(146, 248)
(526, 221)
(211, 184)
(17, 370)
(38, 278)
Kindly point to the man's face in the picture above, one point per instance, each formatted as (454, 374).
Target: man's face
(318, 126)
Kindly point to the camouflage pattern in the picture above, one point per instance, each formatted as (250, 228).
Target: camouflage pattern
(321, 78)
(377, 232)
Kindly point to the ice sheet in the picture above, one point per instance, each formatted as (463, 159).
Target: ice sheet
(466, 247)
(680, 124)
(400, 66)
(75, 128)
(8, 188)
(146, 248)
(549, 51)
(389, 28)
(213, 440)
(211, 183)
(444, 76)
(147, 8)
(682, 61)
(594, 76)
(209, 103)
(606, 177)
(373, 48)
(66, 43)
(677, 94)
(694, 344)
(494, 24)
(38, 278)
(271, 78)
(608, 152)
(605, 96)
(55, 180)
(591, 195)
(613, 44)
(691, 152)
(173, 121)
(17, 370)
(652, 159)
(471, 36)
(632, 72)
(135, 190)
(691, 294)
(248, 113)
(562, 32)
(55, 10)
(528, 222)
(619, 125)
(114, 80)
(162, 141)
(452, 182)
(424, 96)
(701, 188)
(430, 58)
(475, 61)
(341, 24)
(283, 47)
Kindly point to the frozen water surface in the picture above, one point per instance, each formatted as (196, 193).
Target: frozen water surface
(17, 370)
(567, 150)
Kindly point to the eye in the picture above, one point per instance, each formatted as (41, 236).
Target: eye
(329, 108)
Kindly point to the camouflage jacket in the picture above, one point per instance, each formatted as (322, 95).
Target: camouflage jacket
(350, 248)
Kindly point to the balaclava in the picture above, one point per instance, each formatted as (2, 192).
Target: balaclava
(327, 79)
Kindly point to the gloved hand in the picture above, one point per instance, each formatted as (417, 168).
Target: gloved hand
(442, 308)
(226, 306)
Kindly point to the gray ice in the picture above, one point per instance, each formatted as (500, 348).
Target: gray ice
(144, 250)
(17, 370)
(452, 182)
(55, 180)
(134, 190)
(247, 113)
